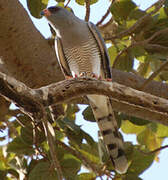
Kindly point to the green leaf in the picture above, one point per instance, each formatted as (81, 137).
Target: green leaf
(140, 162)
(121, 9)
(132, 177)
(70, 166)
(125, 61)
(136, 14)
(103, 154)
(134, 120)
(3, 174)
(130, 128)
(27, 134)
(86, 176)
(87, 137)
(59, 135)
(36, 6)
(82, 2)
(144, 68)
(70, 111)
(32, 164)
(91, 152)
(112, 52)
(19, 147)
(88, 114)
(74, 137)
(71, 125)
(138, 51)
(138, 121)
(43, 171)
(149, 139)
(71, 108)
(72, 131)
(60, 1)
(3, 159)
(162, 131)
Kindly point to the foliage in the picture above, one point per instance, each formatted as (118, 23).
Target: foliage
(25, 150)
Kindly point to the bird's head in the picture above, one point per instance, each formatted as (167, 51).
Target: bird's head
(58, 17)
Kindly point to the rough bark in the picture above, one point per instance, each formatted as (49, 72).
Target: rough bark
(26, 56)
(25, 53)
(125, 99)
(134, 81)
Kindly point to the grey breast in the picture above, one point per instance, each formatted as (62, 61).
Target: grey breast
(82, 53)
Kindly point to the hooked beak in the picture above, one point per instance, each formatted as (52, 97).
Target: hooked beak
(45, 12)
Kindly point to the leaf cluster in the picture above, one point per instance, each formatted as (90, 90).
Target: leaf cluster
(24, 149)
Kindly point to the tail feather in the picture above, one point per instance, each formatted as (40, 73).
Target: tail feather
(104, 115)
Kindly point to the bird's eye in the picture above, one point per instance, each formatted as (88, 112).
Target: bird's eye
(53, 9)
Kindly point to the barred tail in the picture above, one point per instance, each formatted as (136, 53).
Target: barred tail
(104, 115)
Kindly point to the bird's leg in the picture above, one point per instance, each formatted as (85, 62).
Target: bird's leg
(83, 74)
(100, 77)
(109, 79)
(93, 75)
(68, 77)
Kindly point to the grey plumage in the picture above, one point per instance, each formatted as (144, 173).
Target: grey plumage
(81, 49)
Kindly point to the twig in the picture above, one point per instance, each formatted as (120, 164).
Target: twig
(157, 33)
(156, 47)
(103, 18)
(157, 5)
(141, 43)
(87, 10)
(105, 15)
(67, 3)
(50, 138)
(154, 74)
(119, 54)
(35, 142)
(154, 151)
(85, 161)
(107, 23)
(89, 164)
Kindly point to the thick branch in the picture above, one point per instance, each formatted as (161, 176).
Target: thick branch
(28, 57)
(134, 81)
(125, 99)
(25, 53)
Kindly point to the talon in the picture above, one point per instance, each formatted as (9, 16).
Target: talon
(68, 77)
(83, 74)
(109, 79)
(93, 75)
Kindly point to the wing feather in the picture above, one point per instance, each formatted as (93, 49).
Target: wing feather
(105, 66)
(61, 57)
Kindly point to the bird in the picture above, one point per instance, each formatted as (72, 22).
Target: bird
(81, 51)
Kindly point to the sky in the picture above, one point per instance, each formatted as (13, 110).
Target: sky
(157, 170)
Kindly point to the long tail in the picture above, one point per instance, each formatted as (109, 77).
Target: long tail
(104, 115)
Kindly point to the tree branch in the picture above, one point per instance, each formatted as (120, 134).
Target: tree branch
(134, 81)
(155, 150)
(144, 43)
(154, 74)
(124, 99)
(50, 135)
(129, 31)
(24, 52)
(87, 10)
(105, 15)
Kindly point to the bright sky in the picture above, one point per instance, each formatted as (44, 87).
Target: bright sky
(157, 170)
